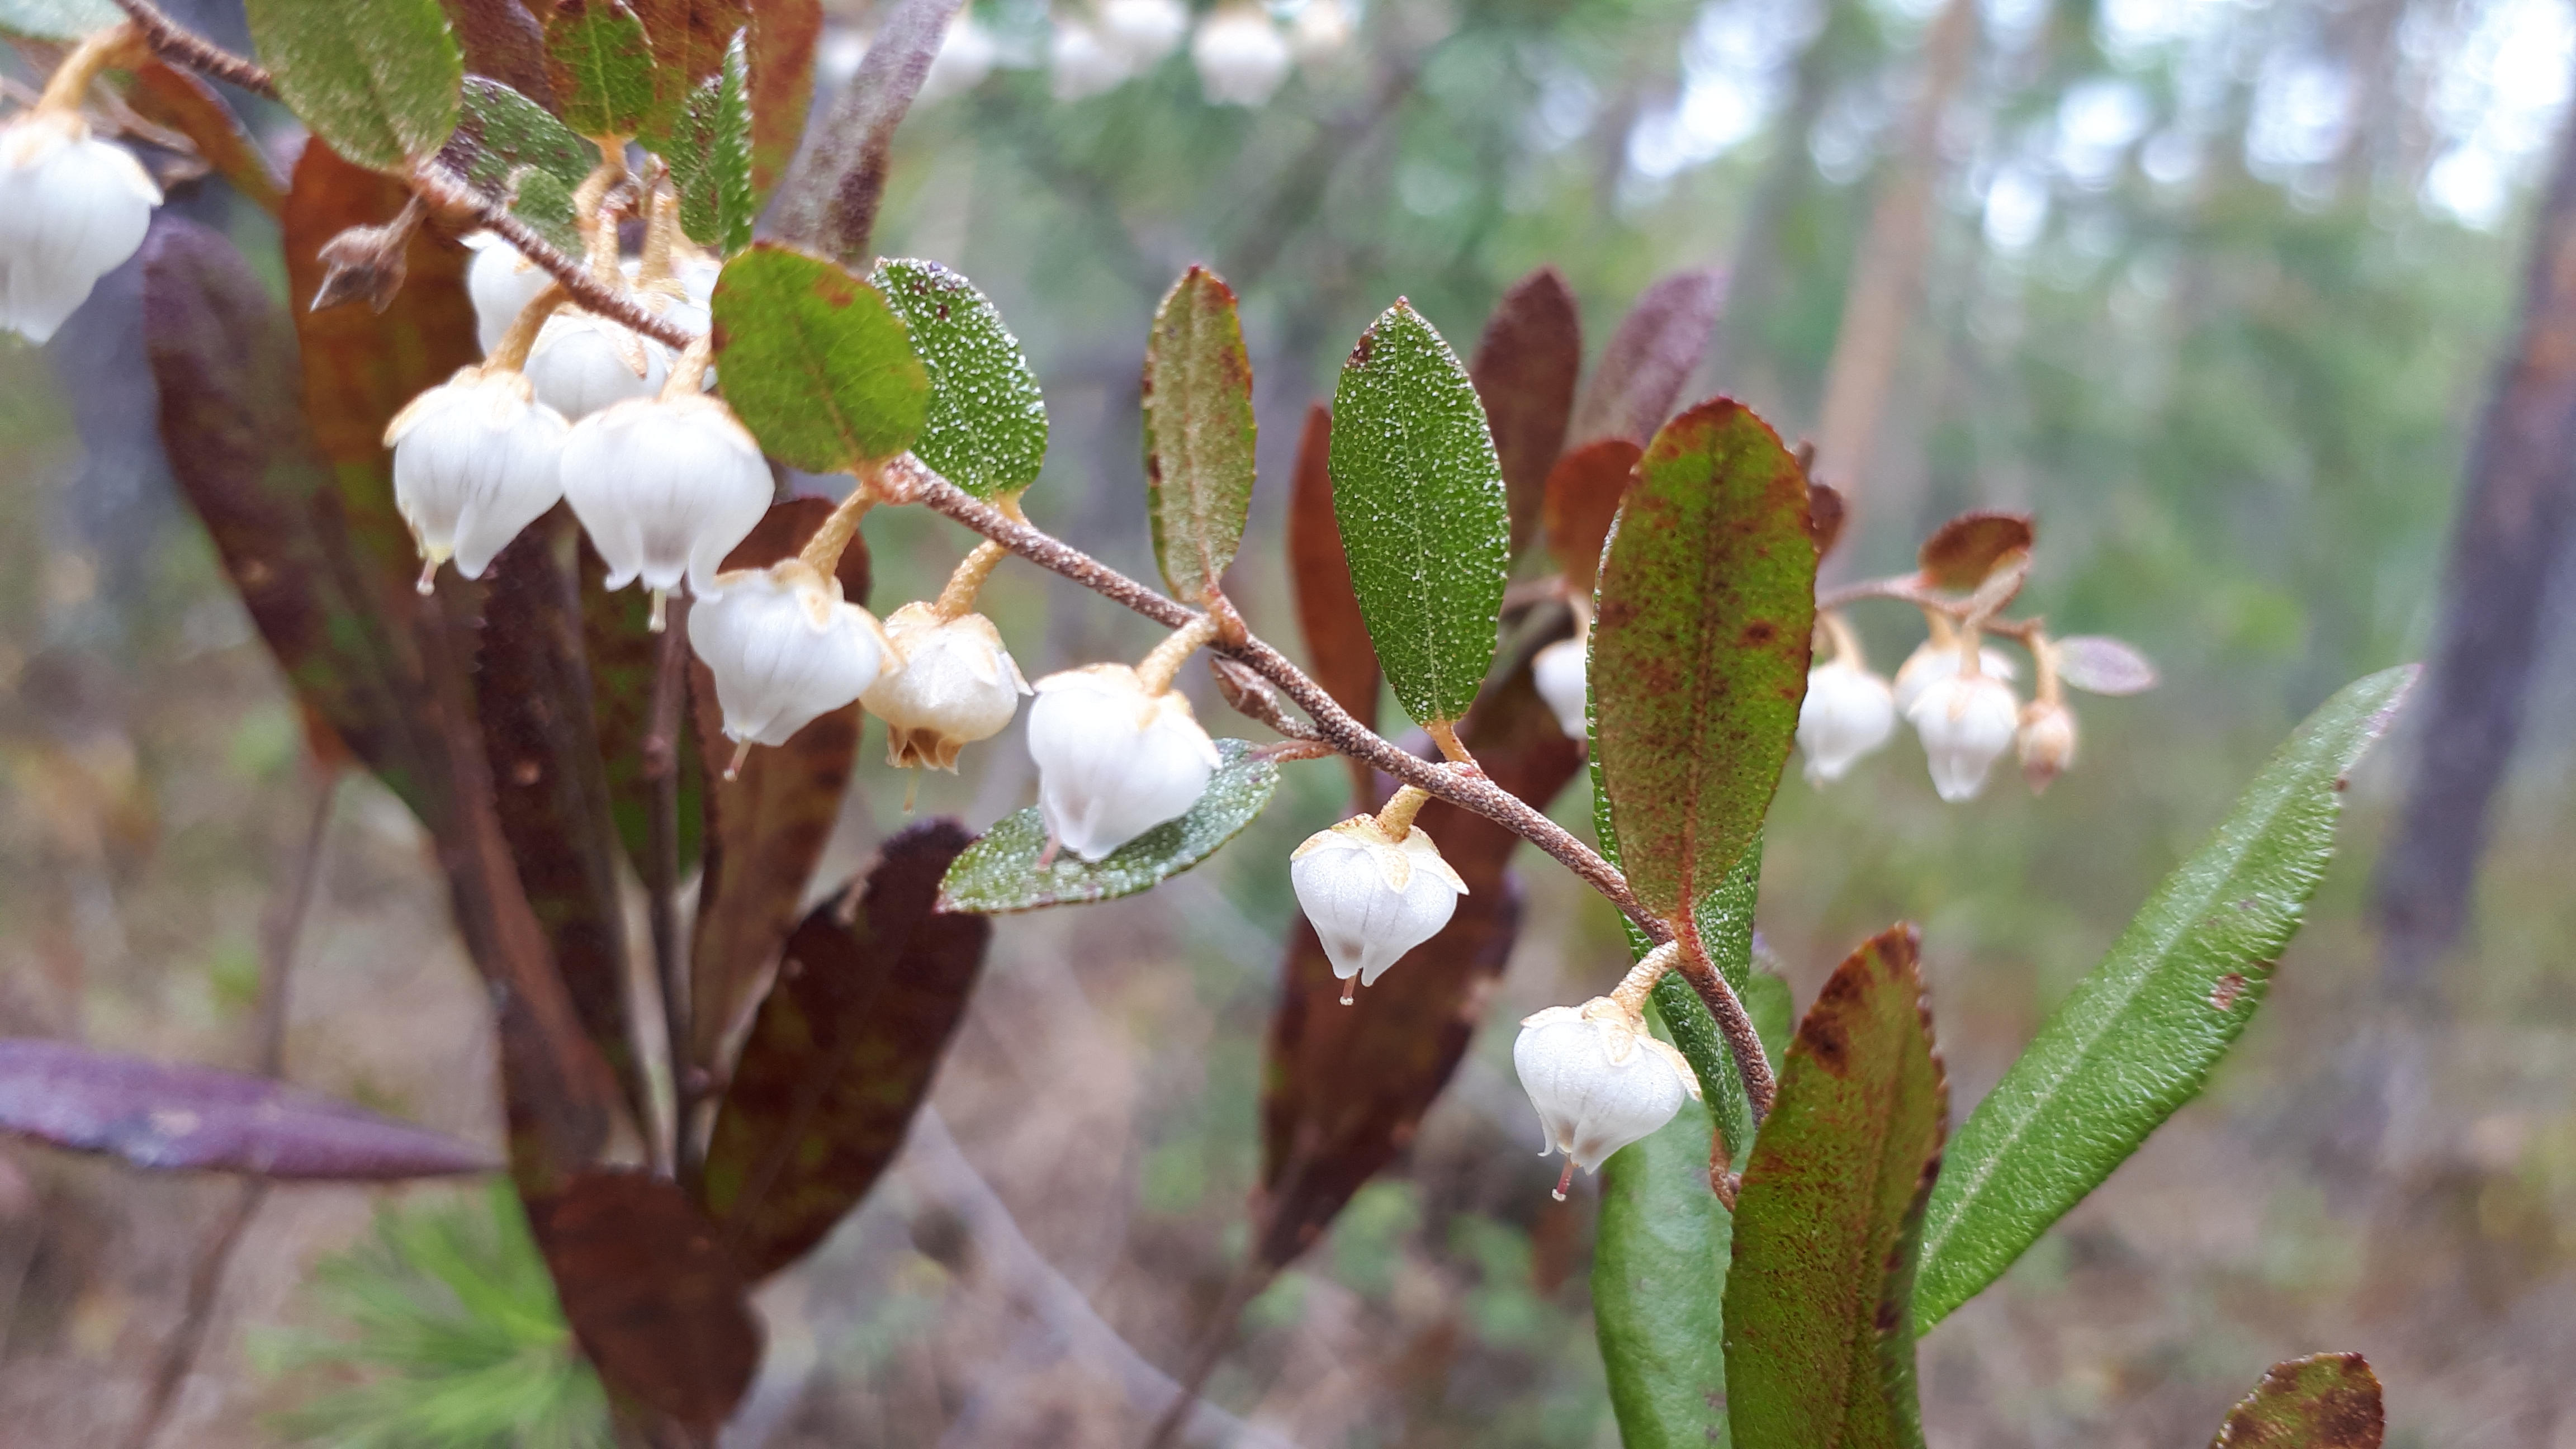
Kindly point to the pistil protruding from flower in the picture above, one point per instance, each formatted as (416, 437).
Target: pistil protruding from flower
(1374, 887)
(1599, 1079)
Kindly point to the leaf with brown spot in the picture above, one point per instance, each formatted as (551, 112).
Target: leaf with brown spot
(765, 830)
(1699, 650)
(783, 36)
(1583, 493)
(2324, 1401)
(602, 67)
(870, 988)
(1198, 434)
(1345, 1087)
(1525, 369)
(1819, 1298)
(164, 1117)
(1650, 358)
(180, 100)
(1338, 651)
(503, 42)
(689, 38)
(1961, 552)
(650, 1294)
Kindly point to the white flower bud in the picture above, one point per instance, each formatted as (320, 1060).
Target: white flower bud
(1966, 722)
(1141, 32)
(957, 685)
(1599, 1079)
(1320, 31)
(583, 363)
(502, 283)
(784, 648)
(1937, 659)
(476, 459)
(1241, 56)
(665, 489)
(72, 209)
(1559, 673)
(1372, 898)
(2046, 743)
(1848, 713)
(1113, 761)
(1079, 64)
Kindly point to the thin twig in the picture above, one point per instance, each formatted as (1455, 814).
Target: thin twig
(177, 45)
(661, 752)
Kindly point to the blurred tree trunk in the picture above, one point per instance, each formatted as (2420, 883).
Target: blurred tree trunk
(2509, 535)
(1887, 276)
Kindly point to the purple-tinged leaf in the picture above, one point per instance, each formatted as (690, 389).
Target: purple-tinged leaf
(1583, 493)
(651, 1295)
(1525, 369)
(2100, 664)
(1961, 552)
(1650, 358)
(2324, 1401)
(1198, 434)
(1338, 651)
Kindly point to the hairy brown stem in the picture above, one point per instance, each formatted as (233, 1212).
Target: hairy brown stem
(449, 192)
(176, 45)
(1732, 1019)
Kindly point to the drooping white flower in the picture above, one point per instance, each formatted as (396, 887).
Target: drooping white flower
(1241, 56)
(1599, 1080)
(1142, 32)
(583, 363)
(784, 648)
(1966, 722)
(665, 488)
(1320, 30)
(1080, 64)
(1559, 672)
(501, 283)
(72, 209)
(957, 685)
(1372, 898)
(2046, 743)
(1113, 760)
(1848, 713)
(476, 459)
(966, 55)
(1937, 659)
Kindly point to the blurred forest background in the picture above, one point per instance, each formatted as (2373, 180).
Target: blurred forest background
(2215, 288)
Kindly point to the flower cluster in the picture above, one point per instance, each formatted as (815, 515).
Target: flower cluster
(1957, 693)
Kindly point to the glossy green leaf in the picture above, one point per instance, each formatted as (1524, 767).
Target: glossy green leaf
(710, 155)
(1659, 1283)
(545, 203)
(2139, 1036)
(57, 19)
(1198, 433)
(815, 362)
(1001, 872)
(377, 79)
(2324, 1401)
(601, 64)
(1819, 1321)
(510, 147)
(1699, 649)
(986, 430)
(1419, 496)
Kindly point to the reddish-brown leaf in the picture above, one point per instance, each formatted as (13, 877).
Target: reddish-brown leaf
(1583, 493)
(781, 51)
(503, 42)
(689, 39)
(1346, 1086)
(650, 1293)
(1338, 650)
(2324, 1401)
(180, 100)
(765, 830)
(1961, 552)
(1525, 370)
(165, 1116)
(1825, 514)
(1649, 359)
(869, 990)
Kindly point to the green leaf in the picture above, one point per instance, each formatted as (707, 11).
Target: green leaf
(815, 362)
(379, 80)
(2139, 1036)
(516, 150)
(986, 430)
(546, 204)
(1198, 433)
(601, 64)
(57, 19)
(1419, 496)
(2324, 1401)
(1001, 872)
(1659, 1283)
(710, 155)
(1699, 652)
(1819, 1324)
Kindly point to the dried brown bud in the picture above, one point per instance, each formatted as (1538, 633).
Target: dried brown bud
(2045, 743)
(367, 261)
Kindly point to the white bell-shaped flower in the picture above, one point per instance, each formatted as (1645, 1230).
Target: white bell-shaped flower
(784, 648)
(1372, 898)
(1966, 722)
(1080, 64)
(501, 283)
(1114, 761)
(2046, 743)
(1141, 32)
(1559, 673)
(476, 459)
(1848, 713)
(957, 685)
(72, 209)
(1934, 660)
(583, 363)
(1241, 56)
(1599, 1080)
(665, 488)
